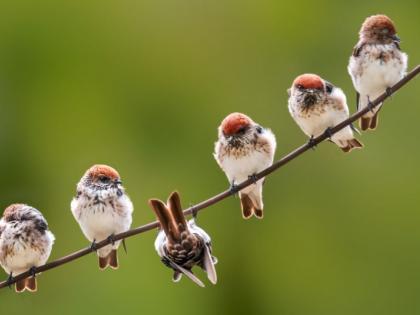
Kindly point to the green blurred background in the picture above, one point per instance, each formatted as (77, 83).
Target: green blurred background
(142, 86)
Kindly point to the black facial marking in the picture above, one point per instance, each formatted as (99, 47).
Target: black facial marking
(329, 87)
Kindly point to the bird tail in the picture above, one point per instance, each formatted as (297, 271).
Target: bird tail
(110, 260)
(251, 203)
(171, 217)
(352, 144)
(29, 284)
(367, 123)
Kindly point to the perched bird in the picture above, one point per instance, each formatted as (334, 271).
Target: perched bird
(180, 244)
(316, 105)
(243, 149)
(25, 243)
(102, 209)
(377, 63)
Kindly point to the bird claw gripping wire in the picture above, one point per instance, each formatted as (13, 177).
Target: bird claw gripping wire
(253, 178)
(328, 132)
(312, 143)
(370, 105)
(111, 239)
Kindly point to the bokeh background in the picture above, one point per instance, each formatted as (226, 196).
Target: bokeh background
(142, 86)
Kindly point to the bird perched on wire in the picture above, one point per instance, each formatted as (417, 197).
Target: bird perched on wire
(243, 149)
(181, 244)
(25, 243)
(316, 105)
(377, 63)
(102, 209)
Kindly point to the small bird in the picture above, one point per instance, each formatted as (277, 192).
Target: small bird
(102, 209)
(25, 243)
(242, 150)
(377, 63)
(180, 244)
(316, 105)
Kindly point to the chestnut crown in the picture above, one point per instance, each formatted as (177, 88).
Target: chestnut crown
(308, 81)
(102, 173)
(378, 27)
(235, 123)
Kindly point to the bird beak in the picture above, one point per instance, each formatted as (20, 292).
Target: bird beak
(396, 38)
(117, 182)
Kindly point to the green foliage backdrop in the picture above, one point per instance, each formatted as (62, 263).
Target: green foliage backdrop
(142, 86)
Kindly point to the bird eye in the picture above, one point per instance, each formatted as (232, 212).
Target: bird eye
(299, 86)
(329, 88)
(385, 31)
(242, 130)
(104, 179)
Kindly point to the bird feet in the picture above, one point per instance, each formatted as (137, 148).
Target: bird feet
(233, 188)
(32, 271)
(111, 239)
(328, 132)
(388, 91)
(194, 212)
(93, 246)
(253, 178)
(10, 280)
(312, 143)
(370, 105)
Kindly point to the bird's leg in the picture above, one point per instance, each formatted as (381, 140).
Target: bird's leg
(194, 212)
(370, 105)
(111, 239)
(93, 245)
(328, 132)
(10, 280)
(32, 271)
(312, 143)
(233, 188)
(253, 177)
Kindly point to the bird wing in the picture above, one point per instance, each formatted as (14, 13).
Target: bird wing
(357, 100)
(187, 273)
(208, 264)
(179, 223)
(163, 216)
(357, 49)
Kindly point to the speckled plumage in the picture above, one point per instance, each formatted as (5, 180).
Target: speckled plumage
(243, 149)
(318, 106)
(25, 242)
(376, 64)
(102, 208)
(181, 244)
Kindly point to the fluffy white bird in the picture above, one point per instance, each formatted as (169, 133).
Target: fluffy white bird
(377, 63)
(25, 243)
(243, 149)
(102, 209)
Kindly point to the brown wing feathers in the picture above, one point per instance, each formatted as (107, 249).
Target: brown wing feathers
(170, 217)
(175, 208)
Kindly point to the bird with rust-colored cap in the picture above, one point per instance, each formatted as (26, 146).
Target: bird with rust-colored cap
(25, 243)
(245, 148)
(102, 209)
(316, 105)
(377, 63)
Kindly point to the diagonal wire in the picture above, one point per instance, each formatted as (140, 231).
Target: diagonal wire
(223, 195)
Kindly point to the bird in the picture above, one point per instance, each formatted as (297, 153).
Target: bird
(376, 64)
(102, 208)
(25, 243)
(316, 106)
(182, 244)
(243, 149)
